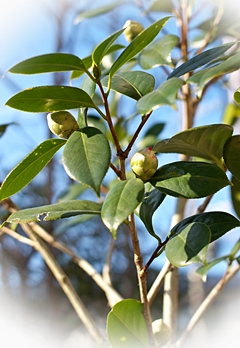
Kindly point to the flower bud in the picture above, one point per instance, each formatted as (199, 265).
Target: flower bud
(144, 164)
(62, 123)
(133, 28)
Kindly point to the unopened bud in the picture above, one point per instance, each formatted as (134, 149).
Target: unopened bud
(133, 28)
(144, 163)
(62, 123)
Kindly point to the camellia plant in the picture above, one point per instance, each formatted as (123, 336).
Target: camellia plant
(209, 159)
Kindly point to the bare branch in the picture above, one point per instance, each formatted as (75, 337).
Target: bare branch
(17, 236)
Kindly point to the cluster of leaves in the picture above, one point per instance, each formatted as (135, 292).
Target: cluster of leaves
(87, 154)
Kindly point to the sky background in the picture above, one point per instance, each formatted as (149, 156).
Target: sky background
(27, 29)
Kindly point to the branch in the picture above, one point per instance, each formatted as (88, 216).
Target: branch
(206, 303)
(17, 236)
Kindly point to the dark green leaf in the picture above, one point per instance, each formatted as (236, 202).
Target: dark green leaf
(165, 94)
(235, 194)
(231, 155)
(189, 179)
(87, 61)
(201, 78)
(120, 202)
(201, 59)
(49, 63)
(189, 245)
(101, 50)
(152, 200)
(218, 222)
(203, 270)
(133, 84)
(86, 157)
(137, 45)
(55, 211)
(3, 127)
(159, 53)
(97, 11)
(29, 167)
(205, 142)
(50, 98)
(126, 325)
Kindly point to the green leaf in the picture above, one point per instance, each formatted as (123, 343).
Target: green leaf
(231, 114)
(72, 192)
(218, 222)
(86, 157)
(97, 11)
(101, 50)
(189, 245)
(165, 94)
(189, 179)
(49, 63)
(237, 95)
(235, 195)
(161, 6)
(203, 270)
(200, 60)
(152, 200)
(231, 155)
(133, 84)
(120, 202)
(3, 127)
(205, 142)
(50, 98)
(158, 53)
(29, 167)
(55, 211)
(201, 78)
(137, 45)
(126, 325)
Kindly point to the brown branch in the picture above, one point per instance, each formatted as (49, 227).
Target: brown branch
(203, 206)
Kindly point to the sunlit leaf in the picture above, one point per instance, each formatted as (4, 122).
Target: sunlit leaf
(133, 84)
(120, 202)
(50, 98)
(218, 222)
(231, 155)
(137, 45)
(200, 59)
(189, 245)
(29, 167)
(231, 114)
(126, 326)
(235, 195)
(86, 157)
(55, 211)
(189, 179)
(49, 63)
(159, 52)
(165, 94)
(203, 270)
(205, 142)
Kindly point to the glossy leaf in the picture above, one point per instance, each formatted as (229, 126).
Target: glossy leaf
(29, 167)
(158, 53)
(86, 157)
(55, 211)
(120, 202)
(137, 45)
(205, 142)
(189, 245)
(201, 78)
(200, 59)
(49, 63)
(50, 98)
(235, 194)
(101, 50)
(97, 11)
(218, 222)
(203, 270)
(165, 94)
(231, 114)
(152, 200)
(3, 127)
(231, 155)
(189, 179)
(133, 84)
(126, 325)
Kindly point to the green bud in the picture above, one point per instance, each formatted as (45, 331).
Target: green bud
(62, 123)
(133, 28)
(144, 164)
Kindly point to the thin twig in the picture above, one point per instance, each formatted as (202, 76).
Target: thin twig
(17, 236)
(107, 266)
(206, 303)
(203, 206)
